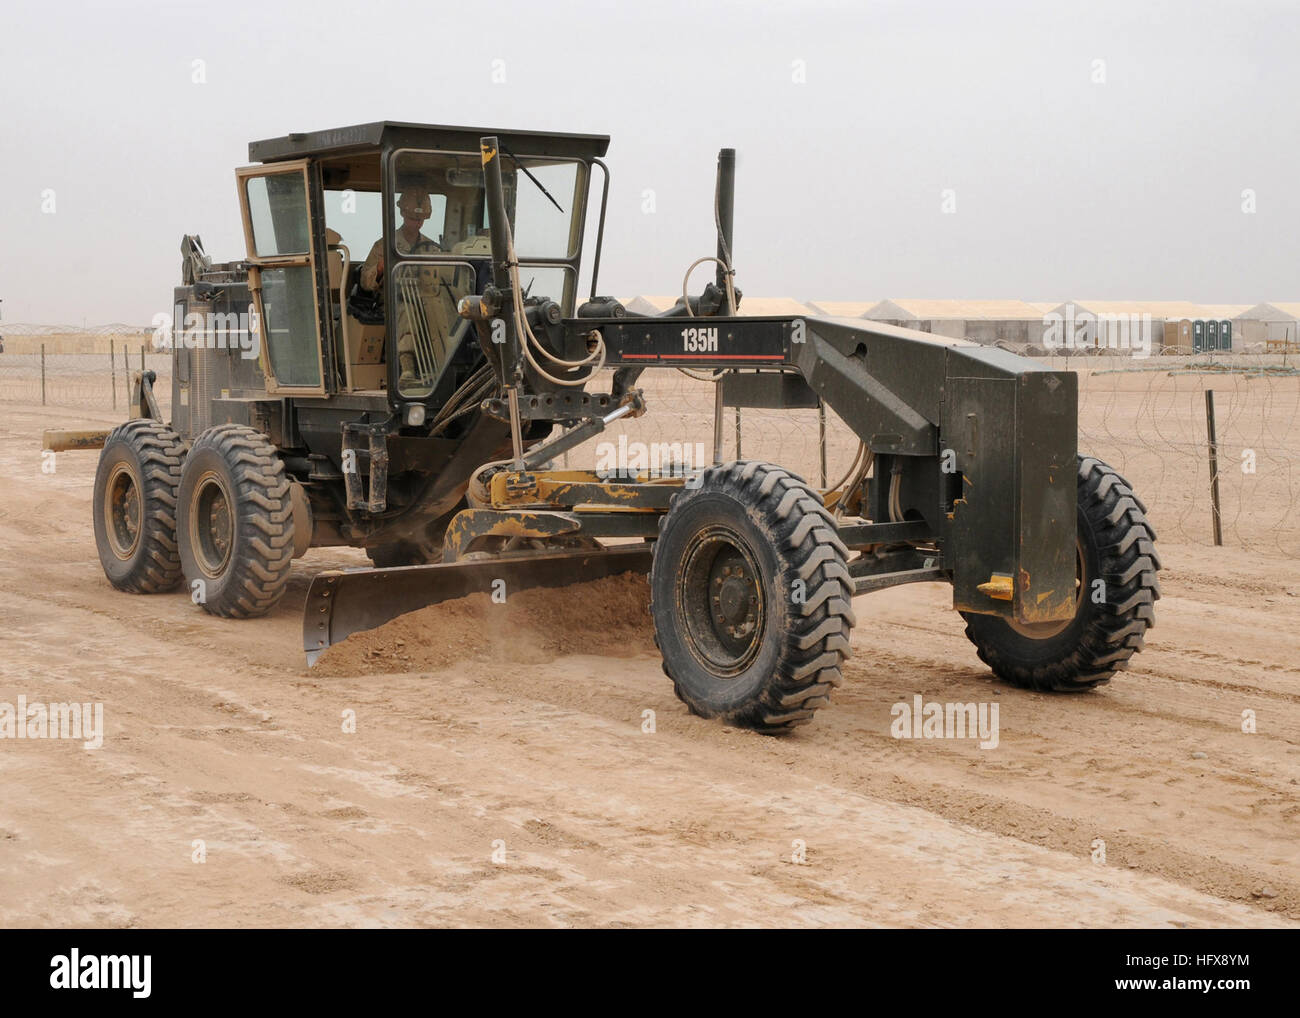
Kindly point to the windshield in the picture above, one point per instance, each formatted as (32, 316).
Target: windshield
(448, 188)
(442, 247)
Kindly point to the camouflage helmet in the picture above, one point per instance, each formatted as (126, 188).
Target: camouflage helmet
(415, 204)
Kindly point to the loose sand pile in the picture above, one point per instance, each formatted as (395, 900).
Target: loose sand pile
(609, 617)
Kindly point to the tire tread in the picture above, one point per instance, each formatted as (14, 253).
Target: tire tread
(816, 642)
(1129, 564)
(160, 452)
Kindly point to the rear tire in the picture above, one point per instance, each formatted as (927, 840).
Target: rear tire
(236, 523)
(135, 507)
(751, 598)
(1117, 546)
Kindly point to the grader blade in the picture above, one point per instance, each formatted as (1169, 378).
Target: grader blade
(341, 602)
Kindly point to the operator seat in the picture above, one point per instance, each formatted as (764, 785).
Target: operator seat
(361, 344)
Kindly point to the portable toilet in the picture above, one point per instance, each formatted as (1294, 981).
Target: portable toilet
(1170, 338)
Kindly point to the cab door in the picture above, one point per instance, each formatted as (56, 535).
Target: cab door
(275, 203)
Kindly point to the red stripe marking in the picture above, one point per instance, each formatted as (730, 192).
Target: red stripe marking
(699, 357)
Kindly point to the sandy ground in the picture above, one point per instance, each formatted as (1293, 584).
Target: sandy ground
(503, 788)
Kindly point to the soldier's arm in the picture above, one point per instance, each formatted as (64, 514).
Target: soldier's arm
(371, 270)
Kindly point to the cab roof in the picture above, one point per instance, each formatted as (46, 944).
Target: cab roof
(394, 134)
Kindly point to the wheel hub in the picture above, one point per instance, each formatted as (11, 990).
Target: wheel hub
(735, 597)
(211, 525)
(722, 597)
(122, 512)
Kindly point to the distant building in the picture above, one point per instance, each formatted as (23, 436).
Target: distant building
(1011, 323)
(1269, 324)
(1152, 325)
(752, 306)
(649, 305)
(774, 306)
(842, 308)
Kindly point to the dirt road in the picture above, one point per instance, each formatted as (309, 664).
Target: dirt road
(499, 790)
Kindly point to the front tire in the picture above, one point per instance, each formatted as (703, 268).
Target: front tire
(751, 597)
(235, 530)
(1116, 545)
(135, 507)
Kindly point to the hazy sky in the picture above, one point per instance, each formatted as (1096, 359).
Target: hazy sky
(1093, 149)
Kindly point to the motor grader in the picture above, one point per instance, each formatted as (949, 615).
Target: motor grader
(423, 424)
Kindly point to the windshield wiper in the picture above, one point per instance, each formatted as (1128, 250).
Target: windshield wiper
(530, 176)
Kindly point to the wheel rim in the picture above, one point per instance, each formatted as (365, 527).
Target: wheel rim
(122, 512)
(1046, 630)
(211, 524)
(721, 601)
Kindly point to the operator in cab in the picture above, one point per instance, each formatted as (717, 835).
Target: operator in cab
(415, 207)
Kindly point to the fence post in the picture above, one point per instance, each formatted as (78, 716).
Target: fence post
(738, 455)
(142, 358)
(42, 374)
(112, 367)
(1214, 467)
(126, 374)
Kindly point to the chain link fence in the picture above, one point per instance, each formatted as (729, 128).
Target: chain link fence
(1150, 420)
(95, 381)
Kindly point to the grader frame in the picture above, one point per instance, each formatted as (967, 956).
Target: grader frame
(967, 469)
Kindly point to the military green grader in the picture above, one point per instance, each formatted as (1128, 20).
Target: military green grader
(421, 420)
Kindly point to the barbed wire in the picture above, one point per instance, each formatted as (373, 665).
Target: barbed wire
(1148, 419)
(111, 329)
(97, 381)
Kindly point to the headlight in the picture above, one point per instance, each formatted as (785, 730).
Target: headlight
(414, 414)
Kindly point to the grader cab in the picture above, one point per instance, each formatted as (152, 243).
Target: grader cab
(409, 361)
